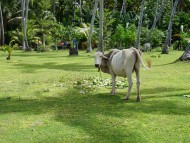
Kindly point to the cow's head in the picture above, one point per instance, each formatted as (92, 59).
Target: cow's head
(99, 59)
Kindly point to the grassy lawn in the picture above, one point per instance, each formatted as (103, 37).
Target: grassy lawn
(38, 103)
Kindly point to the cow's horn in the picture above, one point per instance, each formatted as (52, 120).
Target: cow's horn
(104, 57)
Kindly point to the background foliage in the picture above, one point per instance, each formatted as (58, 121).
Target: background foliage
(59, 20)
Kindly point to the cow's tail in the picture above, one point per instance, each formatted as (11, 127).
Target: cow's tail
(138, 53)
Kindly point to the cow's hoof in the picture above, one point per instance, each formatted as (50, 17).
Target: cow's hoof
(138, 100)
(126, 99)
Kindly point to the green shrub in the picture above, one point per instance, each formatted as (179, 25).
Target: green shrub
(124, 38)
(130, 36)
(9, 48)
(118, 36)
(144, 34)
(156, 38)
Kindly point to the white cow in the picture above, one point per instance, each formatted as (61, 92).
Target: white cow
(121, 63)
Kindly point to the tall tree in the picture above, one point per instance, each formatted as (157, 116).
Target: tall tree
(137, 43)
(2, 38)
(101, 22)
(74, 9)
(80, 3)
(170, 32)
(24, 5)
(123, 8)
(186, 55)
(89, 44)
(156, 17)
(165, 49)
(155, 20)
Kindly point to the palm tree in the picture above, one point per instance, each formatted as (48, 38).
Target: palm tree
(80, 3)
(2, 42)
(24, 6)
(156, 17)
(7, 14)
(123, 9)
(89, 48)
(137, 43)
(186, 55)
(165, 49)
(100, 44)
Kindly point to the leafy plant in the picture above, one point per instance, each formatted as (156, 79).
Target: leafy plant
(157, 37)
(90, 84)
(144, 34)
(130, 35)
(9, 48)
(119, 36)
(124, 38)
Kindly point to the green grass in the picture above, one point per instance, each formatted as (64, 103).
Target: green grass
(38, 103)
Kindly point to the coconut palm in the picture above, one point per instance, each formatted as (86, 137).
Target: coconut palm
(165, 49)
(2, 41)
(101, 24)
(137, 43)
(24, 6)
(89, 47)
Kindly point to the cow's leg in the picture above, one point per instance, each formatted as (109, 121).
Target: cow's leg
(113, 85)
(138, 85)
(130, 84)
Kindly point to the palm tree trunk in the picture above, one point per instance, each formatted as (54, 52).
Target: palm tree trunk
(24, 23)
(170, 32)
(2, 37)
(154, 23)
(137, 43)
(165, 49)
(80, 11)
(186, 55)
(89, 49)
(162, 8)
(156, 17)
(100, 44)
(43, 39)
(74, 7)
(123, 9)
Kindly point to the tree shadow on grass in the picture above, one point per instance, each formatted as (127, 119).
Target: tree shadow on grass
(31, 68)
(100, 115)
(97, 103)
(161, 89)
(166, 64)
(56, 55)
(86, 112)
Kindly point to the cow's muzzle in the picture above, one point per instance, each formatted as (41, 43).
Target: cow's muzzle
(97, 65)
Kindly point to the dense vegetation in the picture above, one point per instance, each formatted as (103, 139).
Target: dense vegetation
(52, 21)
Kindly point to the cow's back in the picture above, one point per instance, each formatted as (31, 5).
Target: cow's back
(123, 61)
